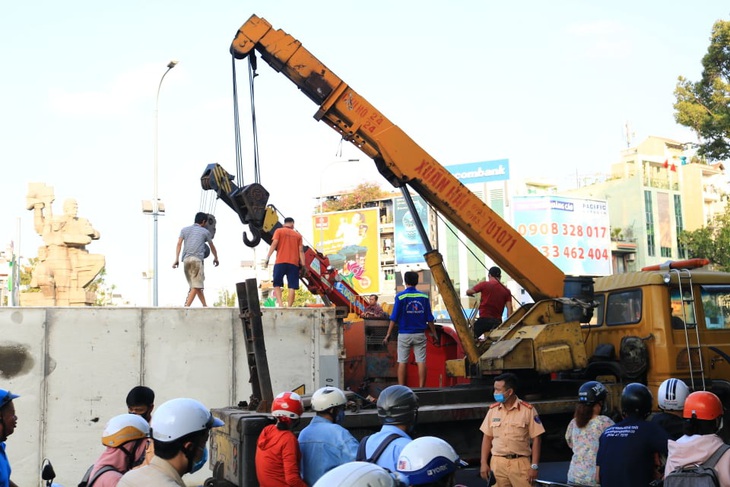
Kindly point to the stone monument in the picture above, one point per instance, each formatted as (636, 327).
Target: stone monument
(65, 268)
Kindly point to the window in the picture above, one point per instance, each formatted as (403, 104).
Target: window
(597, 319)
(649, 217)
(716, 306)
(682, 309)
(623, 308)
(679, 224)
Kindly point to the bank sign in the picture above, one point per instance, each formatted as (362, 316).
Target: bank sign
(480, 172)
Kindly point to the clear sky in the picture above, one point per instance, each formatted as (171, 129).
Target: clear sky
(549, 85)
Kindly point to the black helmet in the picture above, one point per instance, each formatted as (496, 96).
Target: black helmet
(592, 392)
(636, 400)
(397, 405)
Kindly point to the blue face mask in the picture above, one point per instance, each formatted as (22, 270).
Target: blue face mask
(199, 464)
(499, 397)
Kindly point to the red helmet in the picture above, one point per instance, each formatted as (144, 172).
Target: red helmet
(702, 405)
(287, 405)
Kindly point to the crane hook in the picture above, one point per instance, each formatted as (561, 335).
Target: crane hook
(256, 237)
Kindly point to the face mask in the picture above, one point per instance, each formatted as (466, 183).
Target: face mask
(340, 416)
(499, 397)
(199, 464)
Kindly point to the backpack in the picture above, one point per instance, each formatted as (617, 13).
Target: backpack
(361, 455)
(697, 475)
(88, 482)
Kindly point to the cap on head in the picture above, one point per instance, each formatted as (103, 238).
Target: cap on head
(123, 428)
(672, 394)
(428, 459)
(358, 474)
(636, 400)
(702, 405)
(495, 272)
(179, 417)
(6, 397)
(287, 405)
(592, 392)
(397, 405)
(327, 397)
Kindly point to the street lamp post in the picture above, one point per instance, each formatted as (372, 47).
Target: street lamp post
(321, 200)
(157, 209)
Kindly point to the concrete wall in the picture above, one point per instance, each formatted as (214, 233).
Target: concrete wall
(73, 368)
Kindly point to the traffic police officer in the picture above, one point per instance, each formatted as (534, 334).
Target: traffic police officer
(509, 427)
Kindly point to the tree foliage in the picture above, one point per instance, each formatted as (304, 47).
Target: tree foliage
(226, 299)
(357, 198)
(704, 105)
(104, 292)
(711, 241)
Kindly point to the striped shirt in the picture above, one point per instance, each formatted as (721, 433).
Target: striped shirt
(195, 238)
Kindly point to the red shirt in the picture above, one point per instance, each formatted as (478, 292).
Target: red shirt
(277, 458)
(492, 298)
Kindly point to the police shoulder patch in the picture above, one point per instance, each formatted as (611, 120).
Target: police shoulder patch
(527, 405)
(537, 419)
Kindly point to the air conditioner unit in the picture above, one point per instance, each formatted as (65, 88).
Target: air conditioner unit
(630, 257)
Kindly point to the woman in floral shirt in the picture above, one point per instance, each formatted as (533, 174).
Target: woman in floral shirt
(584, 431)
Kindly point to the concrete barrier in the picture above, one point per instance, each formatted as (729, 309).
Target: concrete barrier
(73, 368)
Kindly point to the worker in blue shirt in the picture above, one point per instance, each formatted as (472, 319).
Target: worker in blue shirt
(8, 422)
(412, 312)
(324, 443)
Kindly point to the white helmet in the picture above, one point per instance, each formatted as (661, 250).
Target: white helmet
(428, 459)
(123, 428)
(179, 417)
(359, 474)
(327, 397)
(672, 394)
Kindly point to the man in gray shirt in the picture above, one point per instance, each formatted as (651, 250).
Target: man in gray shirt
(195, 237)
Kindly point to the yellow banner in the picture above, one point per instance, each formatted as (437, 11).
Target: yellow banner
(350, 239)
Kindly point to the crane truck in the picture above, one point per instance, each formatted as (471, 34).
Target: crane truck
(665, 321)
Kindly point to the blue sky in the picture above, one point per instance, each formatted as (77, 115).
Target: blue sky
(548, 85)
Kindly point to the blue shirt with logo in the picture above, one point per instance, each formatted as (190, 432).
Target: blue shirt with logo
(411, 311)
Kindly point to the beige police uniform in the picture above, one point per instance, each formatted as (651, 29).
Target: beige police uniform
(512, 430)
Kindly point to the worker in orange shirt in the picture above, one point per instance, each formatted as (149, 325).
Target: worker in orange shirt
(289, 249)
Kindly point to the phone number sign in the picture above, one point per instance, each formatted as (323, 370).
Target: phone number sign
(574, 233)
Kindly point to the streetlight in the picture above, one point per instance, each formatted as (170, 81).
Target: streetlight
(321, 200)
(156, 208)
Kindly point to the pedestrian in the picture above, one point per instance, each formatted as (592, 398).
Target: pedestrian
(287, 243)
(398, 412)
(277, 451)
(672, 394)
(324, 443)
(125, 437)
(195, 237)
(360, 474)
(412, 313)
(180, 431)
(8, 422)
(584, 431)
(429, 462)
(512, 437)
(493, 298)
(627, 451)
(141, 401)
(373, 309)
(703, 413)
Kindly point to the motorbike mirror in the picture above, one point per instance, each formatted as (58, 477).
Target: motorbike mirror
(47, 472)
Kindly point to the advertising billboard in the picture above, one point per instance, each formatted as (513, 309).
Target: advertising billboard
(574, 233)
(480, 172)
(409, 248)
(350, 240)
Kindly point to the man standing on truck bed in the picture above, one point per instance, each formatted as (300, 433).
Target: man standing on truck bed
(287, 243)
(494, 296)
(412, 312)
(508, 428)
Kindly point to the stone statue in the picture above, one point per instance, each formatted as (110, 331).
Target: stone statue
(65, 268)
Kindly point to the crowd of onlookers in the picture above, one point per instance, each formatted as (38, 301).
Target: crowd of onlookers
(676, 446)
